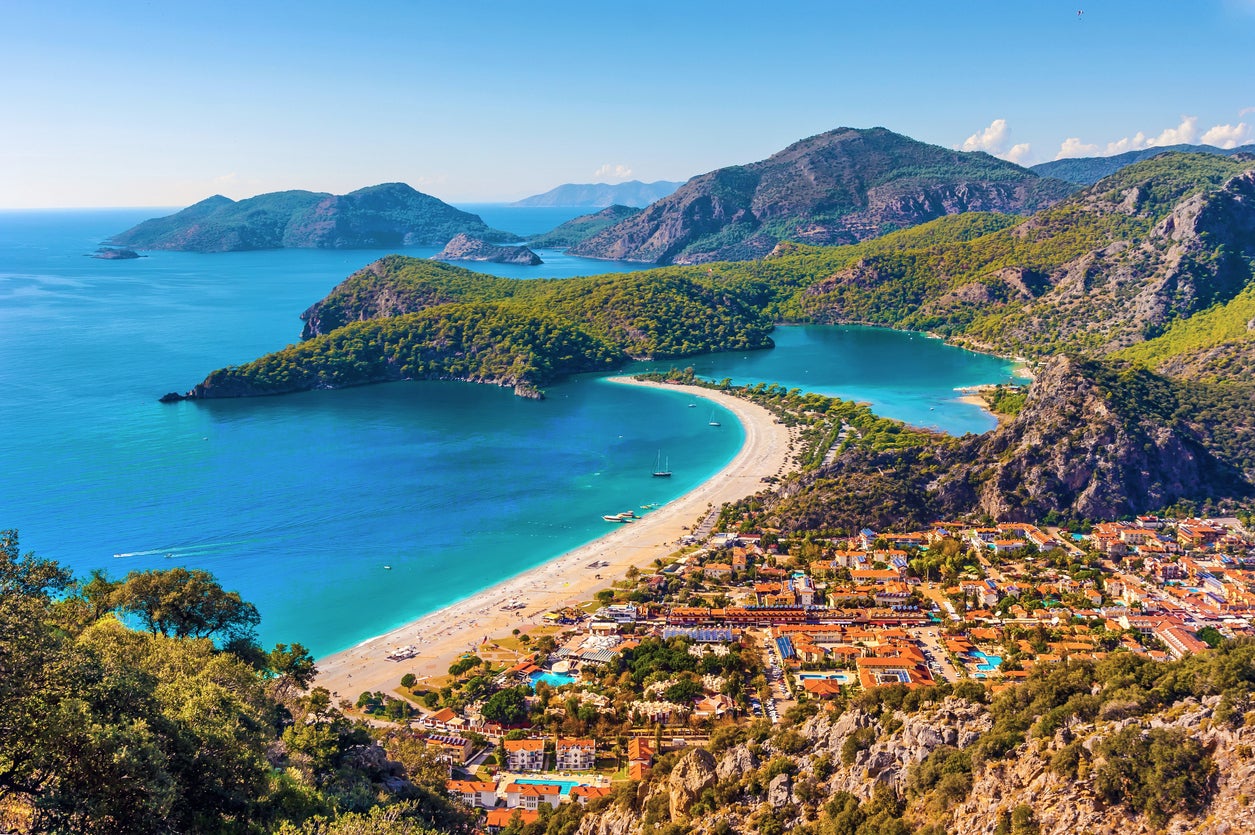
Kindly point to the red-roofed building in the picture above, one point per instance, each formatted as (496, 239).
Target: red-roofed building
(499, 819)
(525, 754)
(530, 795)
(583, 794)
(473, 793)
(575, 754)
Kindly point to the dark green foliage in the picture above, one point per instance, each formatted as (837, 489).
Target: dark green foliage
(1006, 400)
(507, 707)
(527, 333)
(683, 692)
(1159, 772)
(185, 604)
(111, 730)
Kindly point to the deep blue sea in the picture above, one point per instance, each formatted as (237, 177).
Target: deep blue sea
(299, 502)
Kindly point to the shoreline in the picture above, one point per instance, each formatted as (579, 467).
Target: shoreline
(441, 636)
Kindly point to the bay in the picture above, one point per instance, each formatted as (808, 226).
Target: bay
(339, 514)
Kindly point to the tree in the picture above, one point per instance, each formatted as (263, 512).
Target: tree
(292, 664)
(185, 604)
(507, 707)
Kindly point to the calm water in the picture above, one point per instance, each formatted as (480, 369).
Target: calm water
(300, 502)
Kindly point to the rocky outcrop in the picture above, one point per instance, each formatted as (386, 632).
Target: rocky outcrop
(1094, 440)
(692, 775)
(736, 762)
(838, 187)
(387, 215)
(1119, 293)
(465, 248)
(112, 253)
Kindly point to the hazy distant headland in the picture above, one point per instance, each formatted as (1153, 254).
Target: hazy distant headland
(600, 195)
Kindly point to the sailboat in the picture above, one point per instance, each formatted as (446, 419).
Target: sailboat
(662, 470)
(714, 422)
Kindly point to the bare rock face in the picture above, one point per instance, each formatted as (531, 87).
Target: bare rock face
(617, 820)
(780, 790)
(736, 762)
(465, 248)
(692, 775)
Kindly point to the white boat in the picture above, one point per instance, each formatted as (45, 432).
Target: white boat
(714, 422)
(662, 469)
(625, 516)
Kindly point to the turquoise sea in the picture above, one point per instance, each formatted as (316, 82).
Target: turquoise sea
(300, 502)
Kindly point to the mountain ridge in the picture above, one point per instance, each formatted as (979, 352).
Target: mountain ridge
(841, 186)
(1089, 170)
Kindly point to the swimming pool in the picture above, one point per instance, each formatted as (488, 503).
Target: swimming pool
(552, 679)
(564, 786)
(987, 663)
(843, 678)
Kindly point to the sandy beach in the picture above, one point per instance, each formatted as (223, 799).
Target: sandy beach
(443, 635)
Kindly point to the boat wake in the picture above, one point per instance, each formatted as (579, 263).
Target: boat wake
(174, 552)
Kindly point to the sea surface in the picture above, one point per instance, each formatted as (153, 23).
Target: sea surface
(344, 514)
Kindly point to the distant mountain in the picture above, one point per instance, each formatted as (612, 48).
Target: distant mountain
(1089, 170)
(839, 187)
(392, 214)
(584, 227)
(597, 195)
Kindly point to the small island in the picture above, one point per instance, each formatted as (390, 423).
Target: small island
(112, 253)
(465, 248)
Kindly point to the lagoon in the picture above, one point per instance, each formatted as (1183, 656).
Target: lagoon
(342, 514)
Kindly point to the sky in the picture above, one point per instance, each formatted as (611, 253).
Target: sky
(126, 103)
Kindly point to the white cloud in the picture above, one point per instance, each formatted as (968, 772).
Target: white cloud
(992, 139)
(1019, 154)
(1136, 142)
(1074, 147)
(1246, 111)
(1227, 136)
(1182, 134)
(613, 171)
(1185, 133)
(996, 140)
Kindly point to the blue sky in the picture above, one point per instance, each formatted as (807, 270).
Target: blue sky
(162, 104)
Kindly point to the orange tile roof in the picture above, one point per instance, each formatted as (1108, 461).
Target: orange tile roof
(502, 817)
(524, 744)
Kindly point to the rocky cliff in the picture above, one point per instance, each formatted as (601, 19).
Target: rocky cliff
(1113, 266)
(465, 248)
(388, 215)
(1093, 440)
(838, 187)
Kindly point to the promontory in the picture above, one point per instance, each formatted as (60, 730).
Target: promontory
(387, 215)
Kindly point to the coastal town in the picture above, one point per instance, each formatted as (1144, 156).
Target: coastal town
(749, 627)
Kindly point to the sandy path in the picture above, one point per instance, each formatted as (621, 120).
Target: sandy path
(443, 635)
